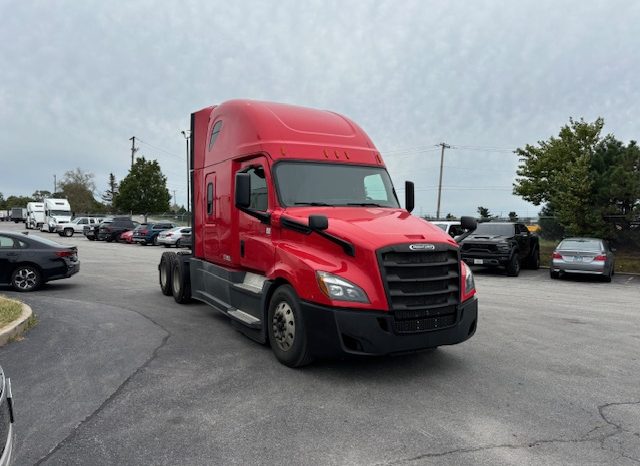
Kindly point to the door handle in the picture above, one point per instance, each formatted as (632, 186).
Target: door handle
(12, 254)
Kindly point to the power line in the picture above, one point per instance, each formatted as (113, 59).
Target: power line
(160, 149)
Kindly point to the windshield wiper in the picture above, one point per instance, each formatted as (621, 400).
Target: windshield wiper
(314, 204)
(365, 204)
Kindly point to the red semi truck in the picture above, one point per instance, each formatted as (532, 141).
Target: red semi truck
(299, 238)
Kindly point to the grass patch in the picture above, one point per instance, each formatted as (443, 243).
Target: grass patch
(10, 310)
(627, 259)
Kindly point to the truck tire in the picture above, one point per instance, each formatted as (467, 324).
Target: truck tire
(533, 261)
(513, 267)
(287, 330)
(165, 270)
(26, 277)
(180, 282)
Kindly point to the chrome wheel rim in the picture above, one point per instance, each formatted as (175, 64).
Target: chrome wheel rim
(284, 326)
(26, 279)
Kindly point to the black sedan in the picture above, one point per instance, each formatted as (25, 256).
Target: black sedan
(27, 261)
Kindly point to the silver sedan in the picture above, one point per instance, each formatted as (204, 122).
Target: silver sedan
(584, 256)
(173, 237)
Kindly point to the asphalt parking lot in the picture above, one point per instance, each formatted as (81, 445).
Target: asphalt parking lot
(117, 373)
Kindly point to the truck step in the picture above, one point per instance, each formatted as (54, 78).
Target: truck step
(244, 318)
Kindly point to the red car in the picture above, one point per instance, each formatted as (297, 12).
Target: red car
(127, 237)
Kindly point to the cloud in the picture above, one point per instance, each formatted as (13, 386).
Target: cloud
(79, 79)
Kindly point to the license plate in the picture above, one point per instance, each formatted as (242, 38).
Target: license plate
(478, 261)
(577, 259)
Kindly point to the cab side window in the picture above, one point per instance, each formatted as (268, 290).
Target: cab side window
(259, 197)
(215, 132)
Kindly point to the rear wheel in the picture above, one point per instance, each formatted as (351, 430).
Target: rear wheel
(533, 261)
(26, 278)
(513, 267)
(165, 270)
(180, 282)
(155, 240)
(287, 331)
(179, 243)
(607, 278)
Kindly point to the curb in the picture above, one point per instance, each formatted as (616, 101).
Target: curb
(16, 327)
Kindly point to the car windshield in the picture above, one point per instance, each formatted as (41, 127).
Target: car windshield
(580, 245)
(442, 226)
(59, 212)
(302, 183)
(492, 229)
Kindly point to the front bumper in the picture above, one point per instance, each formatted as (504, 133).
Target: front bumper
(334, 331)
(486, 259)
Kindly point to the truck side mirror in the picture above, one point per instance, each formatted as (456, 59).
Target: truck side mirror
(468, 223)
(243, 190)
(409, 196)
(318, 222)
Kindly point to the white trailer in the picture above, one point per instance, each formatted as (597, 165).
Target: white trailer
(35, 215)
(56, 212)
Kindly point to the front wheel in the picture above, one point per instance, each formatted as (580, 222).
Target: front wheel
(155, 241)
(68, 232)
(287, 330)
(26, 278)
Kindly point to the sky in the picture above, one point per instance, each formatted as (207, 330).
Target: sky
(78, 79)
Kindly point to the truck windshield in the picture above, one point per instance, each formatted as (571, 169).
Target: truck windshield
(302, 183)
(59, 212)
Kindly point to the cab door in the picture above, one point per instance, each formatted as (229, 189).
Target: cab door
(210, 216)
(256, 250)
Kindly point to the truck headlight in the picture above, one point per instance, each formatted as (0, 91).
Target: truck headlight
(469, 286)
(504, 246)
(339, 289)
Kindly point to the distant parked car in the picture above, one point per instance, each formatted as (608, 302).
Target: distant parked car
(76, 225)
(592, 256)
(7, 435)
(186, 240)
(28, 261)
(173, 236)
(452, 228)
(149, 235)
(111, 230)
(126, 237)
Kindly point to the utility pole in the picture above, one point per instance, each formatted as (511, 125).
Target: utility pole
(174, 198)
(55, 185)
(134, 149)
(444, 146)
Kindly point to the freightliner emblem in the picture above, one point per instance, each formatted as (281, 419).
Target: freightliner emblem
(422, 247)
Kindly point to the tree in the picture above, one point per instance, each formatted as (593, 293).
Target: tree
(17, 201)
(450, 216)
(77, 187)
(40, 195)
(112, 190)
(583, 178)
(513, 217)
(484, 213)
(144, 189)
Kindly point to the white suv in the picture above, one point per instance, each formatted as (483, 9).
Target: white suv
(76, 225)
